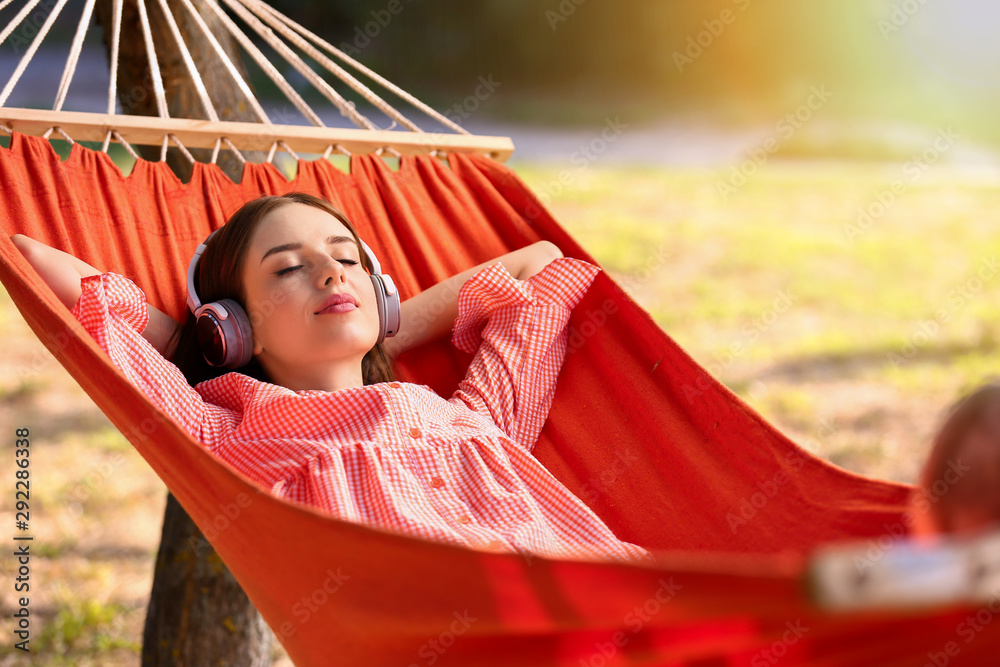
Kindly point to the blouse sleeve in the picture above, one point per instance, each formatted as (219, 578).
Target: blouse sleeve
(518, 332)
(113, 311)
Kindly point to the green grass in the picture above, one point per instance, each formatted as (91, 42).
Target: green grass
(858, 301)
(85, 627)
(107, 439)
(786, 233)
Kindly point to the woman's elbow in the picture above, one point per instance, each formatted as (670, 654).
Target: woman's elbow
(550, 251)
(22, 243)
(541, 255)
(30, 249)
(55, 268)
(33, 251)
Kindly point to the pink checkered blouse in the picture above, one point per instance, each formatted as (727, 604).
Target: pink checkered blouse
(395, 455)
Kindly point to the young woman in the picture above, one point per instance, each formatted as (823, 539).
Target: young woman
(316, 415)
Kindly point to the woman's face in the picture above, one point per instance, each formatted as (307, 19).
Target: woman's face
(298, 258)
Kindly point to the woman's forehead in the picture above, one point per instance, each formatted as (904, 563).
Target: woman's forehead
(296, 223)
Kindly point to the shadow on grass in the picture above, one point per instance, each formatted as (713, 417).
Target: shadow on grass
(98, 552)
(55, 428)
(845, 365)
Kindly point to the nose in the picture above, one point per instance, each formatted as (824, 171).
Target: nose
(330, 271)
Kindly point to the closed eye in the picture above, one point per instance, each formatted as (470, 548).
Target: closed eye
(290, 269)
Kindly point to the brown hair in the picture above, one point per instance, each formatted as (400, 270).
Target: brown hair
(961, 478)
(220, 276)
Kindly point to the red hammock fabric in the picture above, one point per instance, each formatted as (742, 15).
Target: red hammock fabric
(663, 453)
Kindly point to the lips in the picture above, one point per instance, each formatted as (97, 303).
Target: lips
(338, 303)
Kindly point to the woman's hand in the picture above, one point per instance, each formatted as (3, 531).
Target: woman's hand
(62, 272)
(432, 313)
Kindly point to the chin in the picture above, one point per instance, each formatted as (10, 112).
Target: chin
(338, 350)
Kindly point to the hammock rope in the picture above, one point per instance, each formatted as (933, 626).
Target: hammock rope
(340, 149)
(163, 148)
(131, 151)
(403, 136)
(346, 108)
(227, 62)
(199, 85)
(35, 43)
(274, 146)
(319, 41)
(154, 66)
(74, 55)
(116, 23)
(265, 64)
(334, 69)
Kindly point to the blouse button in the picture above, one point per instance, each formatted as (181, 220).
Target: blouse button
(464, 518)
(437, 482)
(495, 544)
(414, 432)
(394, 385)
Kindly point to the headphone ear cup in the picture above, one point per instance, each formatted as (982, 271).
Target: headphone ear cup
(380, 304)
(388, 308)
(225, 342)
(239, 335)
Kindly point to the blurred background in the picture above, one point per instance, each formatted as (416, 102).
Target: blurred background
(802, 194)
(892, 67)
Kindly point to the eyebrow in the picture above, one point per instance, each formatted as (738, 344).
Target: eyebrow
(333, 240)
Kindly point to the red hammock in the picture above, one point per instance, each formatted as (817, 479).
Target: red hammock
(661, 451)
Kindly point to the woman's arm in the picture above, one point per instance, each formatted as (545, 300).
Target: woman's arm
(431, 314)
(62, 272)
(519, 340)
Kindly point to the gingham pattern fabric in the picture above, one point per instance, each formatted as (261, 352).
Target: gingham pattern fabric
(395, 455)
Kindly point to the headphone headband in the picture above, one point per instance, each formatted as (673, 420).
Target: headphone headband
(193, 302)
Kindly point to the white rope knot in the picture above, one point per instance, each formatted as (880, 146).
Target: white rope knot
(388, 149)
(229, 144)
(288, 150)
(284, 146)
(121, 140)
(340, 149)
(60, 131)
(236, 152)
(180, 146)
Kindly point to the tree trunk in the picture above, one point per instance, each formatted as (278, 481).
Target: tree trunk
(198, 614)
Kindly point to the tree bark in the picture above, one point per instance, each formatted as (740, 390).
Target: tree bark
(197, 614)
